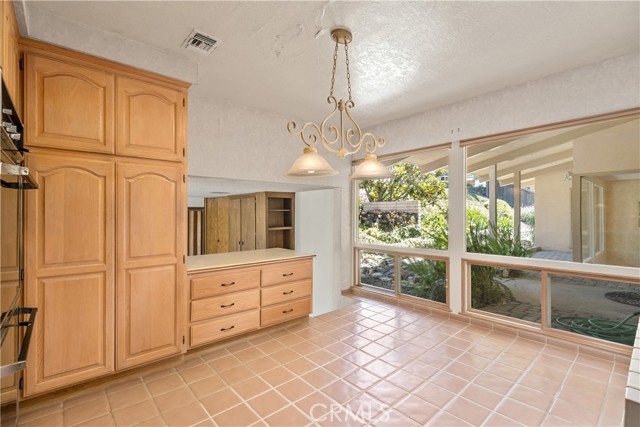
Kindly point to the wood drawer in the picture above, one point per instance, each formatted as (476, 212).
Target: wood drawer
(286, 272)
(223, 282)
(283, 312)
(286, 292)
(224, 327)
(224, 304)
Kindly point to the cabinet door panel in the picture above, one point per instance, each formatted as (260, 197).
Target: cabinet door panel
(150, 275)
(235, 231)
(68, 106)
(248, 226)
(71, 316)
(151, 120)
(70, 270)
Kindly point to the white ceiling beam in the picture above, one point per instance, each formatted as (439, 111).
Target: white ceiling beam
(568, 166)
(507, 170)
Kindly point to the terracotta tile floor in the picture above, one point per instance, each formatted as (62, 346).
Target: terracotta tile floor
(366, 364)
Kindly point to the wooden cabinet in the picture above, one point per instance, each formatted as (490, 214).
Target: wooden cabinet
(106, 231)
(251, 221)
(150, 203)
(9, 280)
(280, 214)
(286, 291)
(216, 213)
(242, 223)
(230, 298)
(151, 120)
(229, 301)
(70, 269)
(10, 56)
(68, 106)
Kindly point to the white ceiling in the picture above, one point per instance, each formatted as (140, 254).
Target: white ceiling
(406, 57)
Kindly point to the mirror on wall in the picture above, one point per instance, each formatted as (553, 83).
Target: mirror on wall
(567, 194)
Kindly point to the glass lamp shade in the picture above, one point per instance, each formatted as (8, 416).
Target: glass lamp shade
(371, 168)
(310, 165)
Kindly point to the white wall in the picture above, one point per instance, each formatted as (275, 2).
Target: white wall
(553, 212)
(317, 213)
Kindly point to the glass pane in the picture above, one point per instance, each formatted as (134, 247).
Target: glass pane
(410, 209)
(377, 269)
(578, 190)
(423, 278)
(601, 309)
(508, 292)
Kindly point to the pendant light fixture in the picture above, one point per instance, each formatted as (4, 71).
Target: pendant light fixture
(344, 138)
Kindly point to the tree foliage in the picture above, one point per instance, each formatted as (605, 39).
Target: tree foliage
(408, 183)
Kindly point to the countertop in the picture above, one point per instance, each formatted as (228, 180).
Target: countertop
(231, 259)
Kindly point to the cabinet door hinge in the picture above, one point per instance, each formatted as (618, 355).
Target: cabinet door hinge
(21, 64)
(183, 340)
(184, 102)
(22, 275)
(184, 259)
(184, 178)
(184, 152)
(21, 383)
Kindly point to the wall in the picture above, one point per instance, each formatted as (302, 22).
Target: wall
(553, 212)
(622, 228)
(610, 150)
(316, 213)
(234, 142)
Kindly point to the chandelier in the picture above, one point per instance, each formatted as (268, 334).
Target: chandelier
(344, 138)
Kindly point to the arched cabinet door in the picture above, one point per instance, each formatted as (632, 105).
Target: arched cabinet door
(70, 270)
(151, 230)
(151, 120)
(68, 106)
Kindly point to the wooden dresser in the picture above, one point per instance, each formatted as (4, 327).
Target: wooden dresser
(237, 292)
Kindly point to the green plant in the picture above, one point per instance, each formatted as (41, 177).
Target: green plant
(431, 279)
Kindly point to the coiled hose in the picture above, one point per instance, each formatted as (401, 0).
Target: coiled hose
(609, 330)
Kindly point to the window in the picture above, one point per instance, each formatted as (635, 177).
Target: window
(409, 210)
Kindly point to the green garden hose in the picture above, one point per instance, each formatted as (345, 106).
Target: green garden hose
(609, 330)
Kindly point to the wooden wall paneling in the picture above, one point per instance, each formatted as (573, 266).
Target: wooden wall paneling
(68, 106)
(217, 225)
(195, 231)
(70, 270)
(235, 225)
(151, 272)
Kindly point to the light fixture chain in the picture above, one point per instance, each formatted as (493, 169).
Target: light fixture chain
(346, 55)
(333, 73)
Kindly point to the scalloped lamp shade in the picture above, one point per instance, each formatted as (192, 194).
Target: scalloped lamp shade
(310, 165)
(371, 168)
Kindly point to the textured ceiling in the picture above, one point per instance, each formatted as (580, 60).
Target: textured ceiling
(406, 57)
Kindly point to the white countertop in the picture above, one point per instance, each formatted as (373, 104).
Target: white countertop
(231, 259)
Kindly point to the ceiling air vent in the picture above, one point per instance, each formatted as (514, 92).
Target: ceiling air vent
(200, 42)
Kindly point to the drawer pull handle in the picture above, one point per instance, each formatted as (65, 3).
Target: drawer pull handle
(287, 274)
(287, 293)
(228, 284)
(228, 305)
(227, 329)
(287, 311)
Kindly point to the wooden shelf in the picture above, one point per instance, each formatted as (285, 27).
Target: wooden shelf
(279, 228)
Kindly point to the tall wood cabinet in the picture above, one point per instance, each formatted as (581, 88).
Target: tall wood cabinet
(250, 221)
(106, 231)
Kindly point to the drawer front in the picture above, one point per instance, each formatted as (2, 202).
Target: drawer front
(224, 304)
(224, 282)
(224, 327)
(283, 312)
(286, 292)
(286, 272)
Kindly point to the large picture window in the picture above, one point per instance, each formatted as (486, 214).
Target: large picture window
(409, 210)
